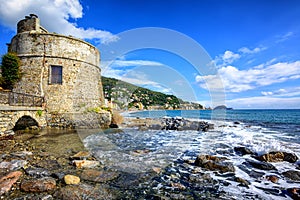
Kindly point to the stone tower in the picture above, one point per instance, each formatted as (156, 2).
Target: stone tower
(63, 69)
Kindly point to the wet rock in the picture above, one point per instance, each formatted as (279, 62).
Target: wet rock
(243, 151)
(178, 186)
(13, 165)
(214, 163)
(7, 181)
(98, 176)
(113, 125)
(35, 197)
(260, 165)
(255, 174)
(278, 156)
(156, 169)
(86, 163)
(294, 193)
(83, 191)
(22, 154)
(37, 172)
(82, 155)
(155, 127)
(71, 179)
(272, 178)
(292, 175)
(140, 152)
(48, 164)
(243, 182)
(39, 185)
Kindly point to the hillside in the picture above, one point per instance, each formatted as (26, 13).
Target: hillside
(124, 95)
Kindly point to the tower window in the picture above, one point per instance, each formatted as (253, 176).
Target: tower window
(55, 74)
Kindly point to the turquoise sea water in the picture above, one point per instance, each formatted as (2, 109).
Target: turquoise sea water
(261, 131)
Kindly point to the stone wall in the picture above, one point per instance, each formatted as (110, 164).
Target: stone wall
(81, 87)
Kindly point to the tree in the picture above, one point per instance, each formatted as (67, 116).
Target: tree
(10, 68)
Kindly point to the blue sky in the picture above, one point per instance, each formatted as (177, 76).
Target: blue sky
(253, 46)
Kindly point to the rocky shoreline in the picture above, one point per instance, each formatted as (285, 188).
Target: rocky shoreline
(54, 164)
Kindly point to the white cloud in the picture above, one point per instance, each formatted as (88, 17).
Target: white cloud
(285, 37)
(249, 51)
(54, 16)
(264, 102)
(235, 80)
(126, 63)
(229, 57)
(288, 92)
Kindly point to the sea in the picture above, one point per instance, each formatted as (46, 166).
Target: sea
(137, 153)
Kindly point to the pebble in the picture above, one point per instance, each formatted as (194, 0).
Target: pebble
(71, 179)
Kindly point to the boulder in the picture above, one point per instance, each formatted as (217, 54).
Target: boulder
(260, 165)
(7, 181)
(243, 151)
(277, 156)
(294, 193)
(71, 179)
(98, 176)
(39, 185)
(292, 175)
(214, 163)
(272, 178)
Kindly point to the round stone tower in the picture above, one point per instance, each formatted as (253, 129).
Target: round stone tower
(63, 69)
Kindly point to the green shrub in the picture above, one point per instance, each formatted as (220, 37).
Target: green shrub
(10, 68)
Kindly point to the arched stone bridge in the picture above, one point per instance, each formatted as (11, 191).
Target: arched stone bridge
(10, 115)
(14, 107)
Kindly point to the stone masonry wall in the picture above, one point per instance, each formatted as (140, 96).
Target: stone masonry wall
(81, 88)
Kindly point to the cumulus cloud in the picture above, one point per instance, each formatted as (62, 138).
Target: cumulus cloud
(55, 16)
(235, 80)
(229, 56)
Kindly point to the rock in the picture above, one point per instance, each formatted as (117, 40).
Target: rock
(39, 185)
(71, 179)
(48, 164)
(178, 186)
(86, 163)
(98, 176)
(74, 192)
(83, 191)
(113, 126)
(278, 156)
(155, 127)
(242, 181)
(156, 169)
(294, 193)
(82, 155)
(243, 151)
(22, 154)
(13, 165)
(37, 172)
(292, 175)
(214, 163)
(7, 181)
(260, 165)
(141, 152)
(272, 178)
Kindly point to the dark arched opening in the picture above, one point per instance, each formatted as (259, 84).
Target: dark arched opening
(25, 122)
